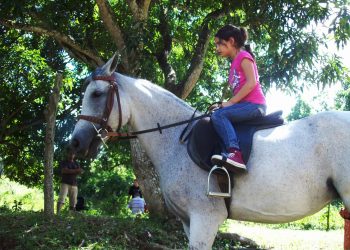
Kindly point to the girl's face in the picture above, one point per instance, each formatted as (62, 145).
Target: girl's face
(224, 48)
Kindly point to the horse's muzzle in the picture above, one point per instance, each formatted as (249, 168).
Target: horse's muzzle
(85, 143)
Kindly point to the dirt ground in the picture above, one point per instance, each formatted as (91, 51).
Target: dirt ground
(288, 239)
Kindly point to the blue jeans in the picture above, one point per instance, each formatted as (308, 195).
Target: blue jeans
(223, 118)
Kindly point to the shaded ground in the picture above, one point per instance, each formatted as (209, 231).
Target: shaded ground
(31, 230)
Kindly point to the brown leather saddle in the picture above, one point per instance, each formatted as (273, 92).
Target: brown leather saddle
(203, 141)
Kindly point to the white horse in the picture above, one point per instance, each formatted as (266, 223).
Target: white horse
(294, 170)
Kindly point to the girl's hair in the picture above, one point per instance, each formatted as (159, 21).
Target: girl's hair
(240, 35)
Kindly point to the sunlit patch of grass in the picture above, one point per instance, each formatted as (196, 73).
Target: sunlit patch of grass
(282, 238)
(19, 197)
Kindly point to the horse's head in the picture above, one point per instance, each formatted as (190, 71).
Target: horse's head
(102, 110)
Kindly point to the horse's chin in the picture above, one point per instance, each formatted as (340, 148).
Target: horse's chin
(92, 151)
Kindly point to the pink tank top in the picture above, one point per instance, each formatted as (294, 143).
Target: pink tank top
(237, 79)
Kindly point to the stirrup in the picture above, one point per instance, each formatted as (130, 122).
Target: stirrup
(219, 194)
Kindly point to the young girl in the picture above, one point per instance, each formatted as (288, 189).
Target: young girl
(248, 100)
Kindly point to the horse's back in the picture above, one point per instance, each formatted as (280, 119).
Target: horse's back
(290, 168)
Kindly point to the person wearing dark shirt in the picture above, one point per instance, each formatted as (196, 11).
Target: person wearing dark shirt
(135, 189)
(69, 170)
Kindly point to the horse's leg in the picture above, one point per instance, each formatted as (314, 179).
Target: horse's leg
(203, 229)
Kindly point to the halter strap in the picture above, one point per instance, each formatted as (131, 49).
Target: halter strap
(113, 89)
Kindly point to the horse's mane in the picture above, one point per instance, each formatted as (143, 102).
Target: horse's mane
(154, 89)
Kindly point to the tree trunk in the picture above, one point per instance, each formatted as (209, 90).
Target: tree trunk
(50, 115)
(148, 180)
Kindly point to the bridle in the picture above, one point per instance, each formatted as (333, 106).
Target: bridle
(103, 121)
(105, 131)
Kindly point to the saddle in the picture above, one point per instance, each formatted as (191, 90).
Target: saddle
(203, 141)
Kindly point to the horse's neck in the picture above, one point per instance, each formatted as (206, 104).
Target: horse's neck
(149, 105)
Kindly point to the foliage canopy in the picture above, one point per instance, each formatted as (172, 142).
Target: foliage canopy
(168, 42)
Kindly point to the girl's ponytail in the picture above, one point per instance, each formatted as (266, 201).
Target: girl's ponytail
(247, 47)
(244, 34)
(249, 50)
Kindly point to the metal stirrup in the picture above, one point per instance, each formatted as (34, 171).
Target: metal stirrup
(219, 194)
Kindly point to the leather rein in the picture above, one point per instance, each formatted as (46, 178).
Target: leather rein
(105, 131)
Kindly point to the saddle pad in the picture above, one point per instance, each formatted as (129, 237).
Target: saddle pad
(204, 142)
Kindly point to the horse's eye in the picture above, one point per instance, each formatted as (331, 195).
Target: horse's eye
(96, 93)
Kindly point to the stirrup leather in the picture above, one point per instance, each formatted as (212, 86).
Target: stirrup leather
(219, 194)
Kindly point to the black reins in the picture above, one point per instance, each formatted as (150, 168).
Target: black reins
(133, 134)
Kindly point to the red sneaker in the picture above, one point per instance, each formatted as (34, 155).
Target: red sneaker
(233, 161)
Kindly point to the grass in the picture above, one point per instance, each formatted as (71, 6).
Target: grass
(32, 230)
(286, 238)
(19, 197)
(317, 221)
(23, 226)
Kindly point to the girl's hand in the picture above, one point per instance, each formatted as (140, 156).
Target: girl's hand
(226, 104)
(215, 106)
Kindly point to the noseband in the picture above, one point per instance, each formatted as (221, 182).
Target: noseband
(102, 121)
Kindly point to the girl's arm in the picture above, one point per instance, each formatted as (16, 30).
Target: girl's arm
(248, 69)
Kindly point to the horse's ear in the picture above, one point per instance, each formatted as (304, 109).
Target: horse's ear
(111, 65)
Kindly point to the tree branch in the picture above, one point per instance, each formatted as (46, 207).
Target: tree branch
(37, 121)
(24, 126)
(114, 30)
(183, 89)
(139, 9)
(67, 43)
(163, 54)
(29, 99)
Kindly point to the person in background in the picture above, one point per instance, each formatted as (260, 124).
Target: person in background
(135, 188)
(137, 204)
(69, 170)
